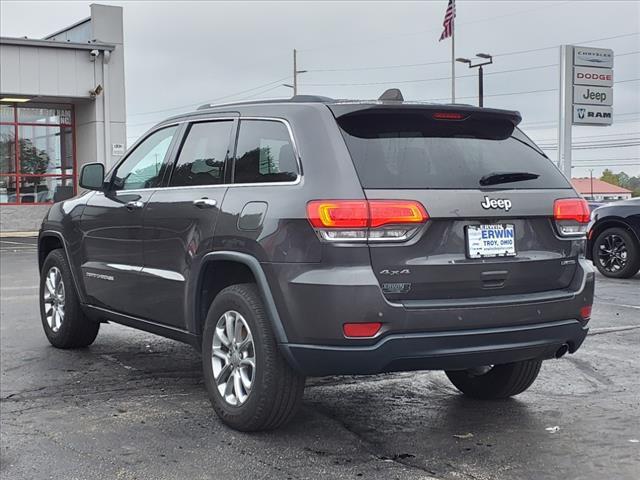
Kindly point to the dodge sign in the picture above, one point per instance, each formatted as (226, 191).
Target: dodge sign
(601, 77)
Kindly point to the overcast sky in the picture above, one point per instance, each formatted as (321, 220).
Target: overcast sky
(181, 54)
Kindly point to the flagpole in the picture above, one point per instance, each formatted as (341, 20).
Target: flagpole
(453, 62)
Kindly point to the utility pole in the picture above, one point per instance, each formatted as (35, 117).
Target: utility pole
(488, 61)
(591, 176)
(295, 74)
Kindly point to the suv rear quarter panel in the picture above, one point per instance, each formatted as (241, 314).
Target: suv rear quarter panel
(285, 243)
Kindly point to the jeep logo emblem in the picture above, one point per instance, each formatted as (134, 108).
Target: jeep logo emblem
(493, 203)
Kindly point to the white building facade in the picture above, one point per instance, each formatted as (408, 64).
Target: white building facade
(62, 104)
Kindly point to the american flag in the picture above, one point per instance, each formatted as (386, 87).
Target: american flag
(448, 20)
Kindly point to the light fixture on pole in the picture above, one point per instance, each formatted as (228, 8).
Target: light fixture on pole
(488, 60)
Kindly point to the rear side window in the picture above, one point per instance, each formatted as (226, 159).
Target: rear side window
(202, 158)
(413, 151)
(264, 153)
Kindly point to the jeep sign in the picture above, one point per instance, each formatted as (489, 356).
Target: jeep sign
(593, 95)
(592, 115)
(593, 57)
(601, 77)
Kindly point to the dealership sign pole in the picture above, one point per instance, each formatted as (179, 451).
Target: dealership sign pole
(586, 94)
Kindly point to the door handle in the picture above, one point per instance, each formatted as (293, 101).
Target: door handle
(134, 205)
(205, 203)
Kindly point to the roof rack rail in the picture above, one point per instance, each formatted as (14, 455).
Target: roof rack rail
(294, 99)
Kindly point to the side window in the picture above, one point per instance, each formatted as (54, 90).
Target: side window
(202, 157)
(143, 168)
(264, 153)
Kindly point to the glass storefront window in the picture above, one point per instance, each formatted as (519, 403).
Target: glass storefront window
(7, 149)
(7, 113)
(45, 189)
(37, 164)
(45, 150)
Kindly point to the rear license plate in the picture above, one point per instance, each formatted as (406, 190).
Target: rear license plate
(496, 240)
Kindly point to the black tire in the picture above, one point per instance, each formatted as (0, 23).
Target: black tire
(501, 381)
(276, 390)
(75, 329)
(624, 240)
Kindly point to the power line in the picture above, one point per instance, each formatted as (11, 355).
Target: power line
(212, 100)
(426, 79)
(427, 64)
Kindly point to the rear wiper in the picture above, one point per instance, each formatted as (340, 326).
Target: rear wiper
(506, 177)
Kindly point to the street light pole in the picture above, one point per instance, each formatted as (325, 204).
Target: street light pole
(480, 89)
(591, 176)
(488, 61)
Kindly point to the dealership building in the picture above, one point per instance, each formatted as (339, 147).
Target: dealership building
(62, 104)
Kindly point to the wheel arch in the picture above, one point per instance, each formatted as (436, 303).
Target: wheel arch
(230, 268)
(50, 240)
(609, 222)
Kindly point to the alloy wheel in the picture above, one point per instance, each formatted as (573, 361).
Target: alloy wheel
(53, 298)
(612, 253)
(233, 358)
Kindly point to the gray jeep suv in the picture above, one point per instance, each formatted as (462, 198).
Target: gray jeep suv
(311, 236)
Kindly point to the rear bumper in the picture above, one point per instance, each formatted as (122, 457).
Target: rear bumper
(439, 350)
(425, 335)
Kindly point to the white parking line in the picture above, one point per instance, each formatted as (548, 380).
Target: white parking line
(17, 243)
(618, 305)
(597, 330)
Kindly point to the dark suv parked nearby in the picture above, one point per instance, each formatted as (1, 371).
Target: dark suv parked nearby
(309, 237)
(614, 238)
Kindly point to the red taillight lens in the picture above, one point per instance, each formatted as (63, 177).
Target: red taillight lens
(385, 212)
(366, 220)
(361, 329)
(571, 216)
(576, 209)
(585, 312)
(448, 116)
(338, 213)
(363, 213)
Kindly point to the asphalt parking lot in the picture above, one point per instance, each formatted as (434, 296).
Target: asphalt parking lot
(133, 406)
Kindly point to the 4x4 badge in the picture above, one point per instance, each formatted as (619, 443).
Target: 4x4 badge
(404, 271)
(490, 203)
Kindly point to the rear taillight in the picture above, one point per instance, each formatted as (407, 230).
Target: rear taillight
(585, 312)
(571, 216)
(363, 220)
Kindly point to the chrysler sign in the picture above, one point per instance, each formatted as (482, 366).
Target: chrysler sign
(592, 115)
(593, 57)
(601, 77)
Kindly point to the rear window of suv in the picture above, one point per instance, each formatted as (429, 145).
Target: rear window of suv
(413, 151)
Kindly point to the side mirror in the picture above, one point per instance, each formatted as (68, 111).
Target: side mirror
(92, 176)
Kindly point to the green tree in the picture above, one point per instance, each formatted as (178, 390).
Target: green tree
(609, 177)
(623, 180)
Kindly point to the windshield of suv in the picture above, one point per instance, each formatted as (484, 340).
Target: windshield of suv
(412, 151)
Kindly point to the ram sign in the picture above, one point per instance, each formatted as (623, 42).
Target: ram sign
(592, 115)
